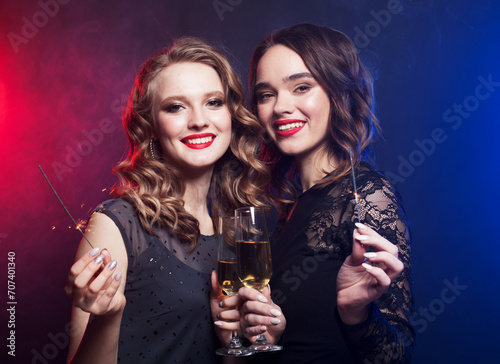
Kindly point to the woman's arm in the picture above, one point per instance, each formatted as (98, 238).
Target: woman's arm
(375, 290)
(95, 285)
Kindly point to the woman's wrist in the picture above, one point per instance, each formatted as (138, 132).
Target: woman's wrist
(108, 319)
(352, 315)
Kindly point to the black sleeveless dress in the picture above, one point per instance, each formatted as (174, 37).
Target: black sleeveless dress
(167, 316)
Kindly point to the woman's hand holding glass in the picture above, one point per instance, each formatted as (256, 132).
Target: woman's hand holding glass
(225, 312)
(227, 278)
(260, 315)
(255, 270)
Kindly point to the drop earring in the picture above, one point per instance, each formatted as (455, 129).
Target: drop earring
(151, 149)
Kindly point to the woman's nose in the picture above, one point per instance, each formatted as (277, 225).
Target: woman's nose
(283, 104)
(197, 119)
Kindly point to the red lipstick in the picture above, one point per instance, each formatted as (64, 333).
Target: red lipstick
(199, 141)
(288, 132)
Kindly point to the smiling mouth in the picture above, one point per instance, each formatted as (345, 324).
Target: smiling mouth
(199, 140)
(287, 128)
(290, 126)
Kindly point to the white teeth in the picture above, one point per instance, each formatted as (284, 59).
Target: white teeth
(199, 140)
(290, 126)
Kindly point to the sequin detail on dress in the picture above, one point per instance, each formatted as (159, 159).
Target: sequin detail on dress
(167, 316)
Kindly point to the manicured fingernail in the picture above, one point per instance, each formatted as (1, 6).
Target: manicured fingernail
(362, 237)
(367, 266)
(220, 304)
(360, 225)
(261, 298)
(99, 259)
(218, 323)
(275, 321)
(118, 276)
(112, 265)
(94, 252)
(370, 255)
(275, 312)
(263, 328)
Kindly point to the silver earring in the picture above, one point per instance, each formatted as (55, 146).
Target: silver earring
(151, 149)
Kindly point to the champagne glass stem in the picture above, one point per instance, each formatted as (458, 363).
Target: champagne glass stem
(261, 340)
(235, 340)
(235, 348)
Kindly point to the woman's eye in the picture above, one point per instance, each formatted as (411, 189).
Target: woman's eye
(215, 103)
(173, 108)
(264, 96)
(303, 88)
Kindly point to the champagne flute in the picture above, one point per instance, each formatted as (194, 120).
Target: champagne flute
(227, 277)
(253, 253)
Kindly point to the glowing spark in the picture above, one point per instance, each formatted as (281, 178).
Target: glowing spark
(65, 209)
(81, 224)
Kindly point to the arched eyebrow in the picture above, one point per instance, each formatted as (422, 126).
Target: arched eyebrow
(296, 76)
(293, 77)
(186, 99)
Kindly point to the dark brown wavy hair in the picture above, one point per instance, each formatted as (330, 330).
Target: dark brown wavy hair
(332, 59)
(155, 186)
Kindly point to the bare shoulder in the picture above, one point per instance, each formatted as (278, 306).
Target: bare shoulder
(103, 233)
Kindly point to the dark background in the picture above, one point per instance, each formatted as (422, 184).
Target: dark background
(67, 66)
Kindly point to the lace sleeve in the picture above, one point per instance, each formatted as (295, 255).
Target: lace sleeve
(387, 336)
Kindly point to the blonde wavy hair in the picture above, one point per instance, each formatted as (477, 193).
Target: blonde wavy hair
(332, 59)
(155, 186)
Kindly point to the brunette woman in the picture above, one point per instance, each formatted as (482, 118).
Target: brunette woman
(341, 261)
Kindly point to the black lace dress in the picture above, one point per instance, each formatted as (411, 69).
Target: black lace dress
(167, 316)
(308, 251)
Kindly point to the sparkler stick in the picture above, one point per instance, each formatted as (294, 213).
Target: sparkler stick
(65, 209)
(354, 183)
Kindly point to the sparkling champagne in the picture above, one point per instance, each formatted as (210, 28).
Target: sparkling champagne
(255, 265)
(227, 274)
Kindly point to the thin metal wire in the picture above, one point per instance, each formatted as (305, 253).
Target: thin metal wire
(354, 183)
(65, 209)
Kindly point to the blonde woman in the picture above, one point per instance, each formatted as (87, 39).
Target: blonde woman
(143, 294)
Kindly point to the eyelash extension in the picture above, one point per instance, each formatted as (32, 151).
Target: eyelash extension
(173, 107)
(217, 101)
(307, 87)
